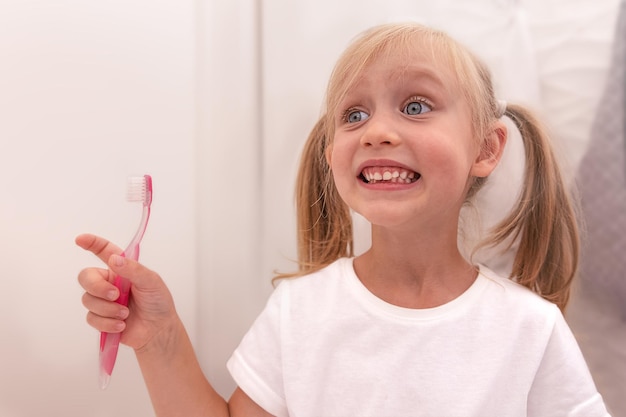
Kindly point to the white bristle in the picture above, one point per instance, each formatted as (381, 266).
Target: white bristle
(136, 189)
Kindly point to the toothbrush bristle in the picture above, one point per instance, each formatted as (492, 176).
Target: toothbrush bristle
(139, 189)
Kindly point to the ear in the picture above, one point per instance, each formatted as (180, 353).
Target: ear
(491, 151)
(328, 153)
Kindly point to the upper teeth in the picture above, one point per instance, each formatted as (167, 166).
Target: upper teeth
(374, 174)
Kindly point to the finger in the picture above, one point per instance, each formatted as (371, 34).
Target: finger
(97, 245)
(104, 308)
(99, 283)
(105, 324)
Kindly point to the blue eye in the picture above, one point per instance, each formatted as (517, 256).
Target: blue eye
(355, 116)
(416, 107)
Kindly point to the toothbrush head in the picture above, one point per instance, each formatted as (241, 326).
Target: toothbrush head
(139, 189)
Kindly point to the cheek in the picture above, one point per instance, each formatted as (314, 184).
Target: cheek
(340, 156)
(341, 167)
(447, 162)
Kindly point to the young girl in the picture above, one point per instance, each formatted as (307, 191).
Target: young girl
(411, 327)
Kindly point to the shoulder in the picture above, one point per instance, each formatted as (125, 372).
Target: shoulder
(517, 303)
(318, 292)
(512, 292)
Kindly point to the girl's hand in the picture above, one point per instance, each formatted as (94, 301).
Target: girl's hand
(150, 308)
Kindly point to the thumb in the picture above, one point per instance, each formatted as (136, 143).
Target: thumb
(136, 273)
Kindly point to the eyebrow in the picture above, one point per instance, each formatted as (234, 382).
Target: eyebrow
(419, 72)
(443, 80)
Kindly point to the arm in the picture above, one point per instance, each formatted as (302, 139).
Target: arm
(177, 385)
(153, 329)
(174, 379)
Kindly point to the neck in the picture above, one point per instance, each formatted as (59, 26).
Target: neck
(414, 272)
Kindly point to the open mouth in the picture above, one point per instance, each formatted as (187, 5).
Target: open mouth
(376, 175)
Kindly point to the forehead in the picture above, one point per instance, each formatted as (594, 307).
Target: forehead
(405, 65)
(403, 71)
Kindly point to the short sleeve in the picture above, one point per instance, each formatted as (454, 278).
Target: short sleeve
(256, 364)
(563, 385)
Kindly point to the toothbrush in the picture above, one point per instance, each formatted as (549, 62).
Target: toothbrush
(139, 189)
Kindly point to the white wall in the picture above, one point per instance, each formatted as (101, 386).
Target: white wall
(214, 99)
(90, 93)
(232, 285)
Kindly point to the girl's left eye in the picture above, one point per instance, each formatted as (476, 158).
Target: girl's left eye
(416, 107)
(355, 116)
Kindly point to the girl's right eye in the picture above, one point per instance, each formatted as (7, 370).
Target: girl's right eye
(355, 116)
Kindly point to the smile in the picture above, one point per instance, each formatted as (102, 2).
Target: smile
(374, 175)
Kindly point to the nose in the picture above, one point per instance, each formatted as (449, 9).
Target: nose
(379, 131)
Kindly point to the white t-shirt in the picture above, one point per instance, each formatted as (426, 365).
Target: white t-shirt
(327, 347)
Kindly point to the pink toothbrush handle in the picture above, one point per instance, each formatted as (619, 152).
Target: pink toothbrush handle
(109, 342)
(139, 189)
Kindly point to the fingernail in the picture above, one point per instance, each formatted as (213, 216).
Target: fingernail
(123, 314)
(112, 295)
(118, 260)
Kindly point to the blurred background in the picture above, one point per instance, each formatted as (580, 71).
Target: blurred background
(214, 99)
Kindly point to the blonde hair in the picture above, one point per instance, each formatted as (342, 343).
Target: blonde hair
(543, 220)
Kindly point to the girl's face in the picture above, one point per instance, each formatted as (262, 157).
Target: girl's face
(403, 150)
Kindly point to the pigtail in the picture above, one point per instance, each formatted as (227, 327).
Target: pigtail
(544, 219)
(324, 223)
